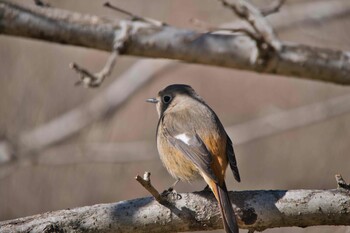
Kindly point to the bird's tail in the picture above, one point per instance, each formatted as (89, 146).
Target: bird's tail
(227, 213)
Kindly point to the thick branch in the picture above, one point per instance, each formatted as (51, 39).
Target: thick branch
(196, 211)
(233, 51)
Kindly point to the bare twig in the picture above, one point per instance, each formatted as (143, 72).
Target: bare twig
(145, 181)
(95, 80)
(341, 182)
(255, 18)
(274, 8)
(133, 16)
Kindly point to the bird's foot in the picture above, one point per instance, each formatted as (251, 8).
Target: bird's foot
(171, 194)
(206, 189)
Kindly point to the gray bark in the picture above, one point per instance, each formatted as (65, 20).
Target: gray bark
(257, 210)
(232, 51)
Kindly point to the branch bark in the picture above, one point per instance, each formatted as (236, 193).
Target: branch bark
(232, 51)
(256, 210)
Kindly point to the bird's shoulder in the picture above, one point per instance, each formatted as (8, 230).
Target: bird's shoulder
(191, 116)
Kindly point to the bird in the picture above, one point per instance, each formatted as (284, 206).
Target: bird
(193, 144)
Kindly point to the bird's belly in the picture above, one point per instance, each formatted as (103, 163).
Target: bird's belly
(177, 164)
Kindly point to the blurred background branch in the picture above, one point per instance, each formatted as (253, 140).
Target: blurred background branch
(129, 152)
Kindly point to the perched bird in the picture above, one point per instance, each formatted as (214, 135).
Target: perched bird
(192, 143)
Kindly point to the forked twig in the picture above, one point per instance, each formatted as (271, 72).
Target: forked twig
(94, 80)
(263, 31)
(91, 80)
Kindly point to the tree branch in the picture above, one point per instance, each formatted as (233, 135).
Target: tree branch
(274, 8)
(145, 181)
(263, 30)
(256, 210)
(233, 51)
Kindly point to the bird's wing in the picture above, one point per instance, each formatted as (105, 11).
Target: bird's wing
(191, 145)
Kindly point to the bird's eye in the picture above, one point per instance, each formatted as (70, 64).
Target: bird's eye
(166, 99)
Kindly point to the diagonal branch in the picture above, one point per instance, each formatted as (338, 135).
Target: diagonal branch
(145, 181)
(233, 51)
(256, 210)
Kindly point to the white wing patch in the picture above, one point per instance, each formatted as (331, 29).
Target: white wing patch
(183, 137)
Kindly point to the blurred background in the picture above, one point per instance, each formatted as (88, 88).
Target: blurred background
(98, 163)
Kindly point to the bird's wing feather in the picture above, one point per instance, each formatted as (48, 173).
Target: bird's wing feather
(232, 159)
(192, 147)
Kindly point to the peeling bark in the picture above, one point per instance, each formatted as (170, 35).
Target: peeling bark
(232, 51)
(256, 210)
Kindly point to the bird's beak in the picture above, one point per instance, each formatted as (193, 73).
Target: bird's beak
(152, 100)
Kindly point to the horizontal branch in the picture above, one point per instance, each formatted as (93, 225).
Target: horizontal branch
(256, 210)
(232, 51)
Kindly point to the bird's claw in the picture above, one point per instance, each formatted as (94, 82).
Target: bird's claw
(171, 194)
(206, 189)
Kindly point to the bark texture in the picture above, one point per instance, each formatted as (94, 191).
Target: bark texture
(232, 51)
(257, 210)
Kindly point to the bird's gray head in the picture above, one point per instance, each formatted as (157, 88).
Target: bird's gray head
(172, 95)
